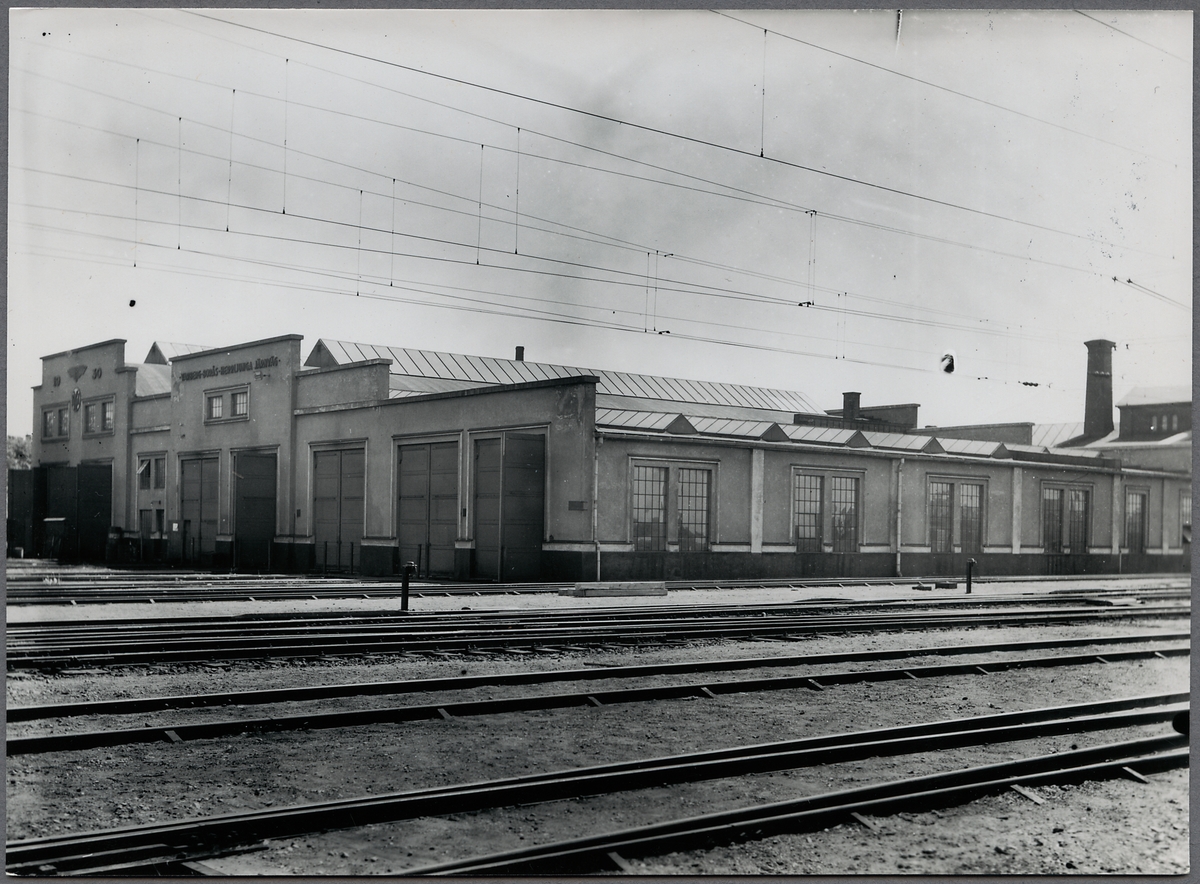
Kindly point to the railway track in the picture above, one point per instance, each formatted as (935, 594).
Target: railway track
(168, 848)
(60, 644)
(53, 585)
(180, 732)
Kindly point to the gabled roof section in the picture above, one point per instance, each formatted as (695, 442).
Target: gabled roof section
(1055, 434)
(740, 429)
(152, 379)
(974, 448)
(634, 420)
(904, 442)
(1172, 395)
(824, 435)
(681, 426)
(483, 371)
(162, 352)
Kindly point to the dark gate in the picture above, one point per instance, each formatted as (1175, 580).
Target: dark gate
(509, 507)
(95, 510)
(427, 511)
(338, 507)
(254, 510)
(198, 508)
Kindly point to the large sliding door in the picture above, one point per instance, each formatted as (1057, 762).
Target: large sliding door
(510, 476)
(427, 511)
(198, 507)
(338, 513)
(254, 510)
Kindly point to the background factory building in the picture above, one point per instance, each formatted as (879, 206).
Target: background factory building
(360, 458)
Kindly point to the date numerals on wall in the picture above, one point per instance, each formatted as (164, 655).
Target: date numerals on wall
(97, 373)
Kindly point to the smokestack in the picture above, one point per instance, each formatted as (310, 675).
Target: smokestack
(850, 406)
(1098, 405)
(520, 354)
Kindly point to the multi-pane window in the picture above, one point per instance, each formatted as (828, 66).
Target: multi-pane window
(106, 416)
(160, 472)
(49, 424)
(1066, 520)
(1135, 521)
(941, 517)
(693, 509)
(970, 517)
(1052, 520)
(91, 418)
(843, 508)
(143, 472)
(649, 508)
(807, 503)
(1185, 515)
(64, 422)
(1077, 520)
(216, 407)
(239, 403)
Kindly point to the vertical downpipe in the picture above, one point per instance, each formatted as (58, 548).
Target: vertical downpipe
(595, 501)
(899, 513)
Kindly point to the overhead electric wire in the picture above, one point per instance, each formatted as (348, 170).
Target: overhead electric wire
(737, 193)
(639, 126)
(632, 279)
(1131, 37)
(942, 88)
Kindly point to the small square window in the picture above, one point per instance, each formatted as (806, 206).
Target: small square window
(216, 407)
(239, 404)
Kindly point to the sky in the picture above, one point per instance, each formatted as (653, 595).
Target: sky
(819, 201)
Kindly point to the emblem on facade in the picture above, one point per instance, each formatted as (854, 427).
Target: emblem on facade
(76, 399)
(76, 371)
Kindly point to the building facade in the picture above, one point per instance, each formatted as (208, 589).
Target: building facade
(360, 458)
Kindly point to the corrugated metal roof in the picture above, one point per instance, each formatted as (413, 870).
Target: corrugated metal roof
(634, 420)
(1157, 395)
(903, 442)
(741, 429)
(152, 379)
(488, 370)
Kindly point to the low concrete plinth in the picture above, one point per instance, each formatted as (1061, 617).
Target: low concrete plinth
(592, 590)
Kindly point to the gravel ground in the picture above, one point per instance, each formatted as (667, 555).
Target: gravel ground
(1114, 826)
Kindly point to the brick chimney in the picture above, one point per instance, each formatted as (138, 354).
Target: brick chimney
(1098, 404)
(850, 406)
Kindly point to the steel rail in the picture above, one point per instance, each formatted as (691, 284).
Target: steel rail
(603, 852)
(183, 732)
(30, 654)
(455, 683)
(207, 836)
(264, 625)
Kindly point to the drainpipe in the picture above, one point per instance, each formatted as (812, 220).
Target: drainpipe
(899, 512)
(595, 498)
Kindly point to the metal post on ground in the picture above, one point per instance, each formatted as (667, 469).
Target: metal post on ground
(970, 566)
(409, 568)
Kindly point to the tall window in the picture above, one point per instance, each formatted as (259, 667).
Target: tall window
(970, 517)
(1077, 520)
(941, 523)
(49, 424)
(1185, 515)
(1052, 520)
(160, 472)
(1135, 521)
(693, 509)
(807, 502)
(240, 403)
(216, 407)
(649, 508)
(843, 500)
(144, 474)
(106, 415)
(90, 418)
(64, 422)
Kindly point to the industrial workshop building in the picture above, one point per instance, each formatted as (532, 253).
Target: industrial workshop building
(360, 458)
